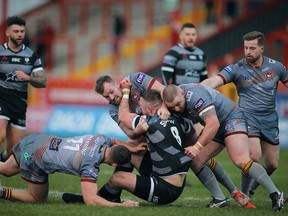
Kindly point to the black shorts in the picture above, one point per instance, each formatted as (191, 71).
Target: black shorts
(13, 108)
(145, 168)
(156, 190)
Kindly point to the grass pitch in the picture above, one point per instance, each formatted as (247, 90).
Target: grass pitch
(192, 201)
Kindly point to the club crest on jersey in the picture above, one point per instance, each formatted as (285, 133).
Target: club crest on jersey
(54, 144)
(199, 103)
(189, 95)
(140, 78)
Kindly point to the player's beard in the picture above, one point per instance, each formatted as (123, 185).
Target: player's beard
(14, 41)
(252, 60)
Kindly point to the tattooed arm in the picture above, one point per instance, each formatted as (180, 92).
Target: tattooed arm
(212, 125)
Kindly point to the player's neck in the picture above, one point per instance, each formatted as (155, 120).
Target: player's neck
(13, 47)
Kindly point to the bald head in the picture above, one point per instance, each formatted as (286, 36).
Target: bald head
(170, 92)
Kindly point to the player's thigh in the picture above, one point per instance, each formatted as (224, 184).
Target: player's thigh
(255, 148)
(270, 155)
(124, 180)
(38, 191)
(3, 129)
(238, 149)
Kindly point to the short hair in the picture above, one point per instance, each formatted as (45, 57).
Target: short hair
(151, 96)
(99, 87)
(188, 25)
(15, 20)
(169, 93)
(255, 35)
(119, 155)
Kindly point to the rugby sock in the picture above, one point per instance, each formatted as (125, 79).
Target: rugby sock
(109, 193)
(5, 193)
(245, 184)
(112, 194)
(254, 184)
(260, 175)
(221, 175)
(206, 177)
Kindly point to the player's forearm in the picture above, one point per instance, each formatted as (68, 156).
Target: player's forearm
(38, 80)
(125, 116)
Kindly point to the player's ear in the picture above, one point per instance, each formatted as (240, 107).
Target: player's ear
(114, 165)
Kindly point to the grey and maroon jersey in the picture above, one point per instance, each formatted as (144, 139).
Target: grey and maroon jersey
(80, 155)
(200, 97)
(140, 82)
(184, 65)
(256, 87)
(25, 60)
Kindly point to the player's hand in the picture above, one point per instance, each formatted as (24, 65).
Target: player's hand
(163, 112)
(191, 151)
(125, 83)
(22, 76)
(142, 127)
(130, 203)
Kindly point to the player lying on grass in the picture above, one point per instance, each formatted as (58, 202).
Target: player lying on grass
(37, 156)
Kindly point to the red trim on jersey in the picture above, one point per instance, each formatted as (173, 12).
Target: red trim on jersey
(222, 77)
(152, 81)
(92, 180)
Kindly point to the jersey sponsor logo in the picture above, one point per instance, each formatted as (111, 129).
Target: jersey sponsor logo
(164, 122)
(85, 145)
(140, 78)
(4, 58)
(54, 144)
(192, 57)
(16, 60)
(246, 77)
(189, 95)
(199, 103)
(26, 60)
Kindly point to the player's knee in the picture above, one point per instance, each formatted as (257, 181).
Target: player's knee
(270, 168)
(118, 179)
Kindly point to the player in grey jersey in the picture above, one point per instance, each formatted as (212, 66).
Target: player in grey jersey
(224, 126)
(37, 156)
(256, 78)
(19, 65)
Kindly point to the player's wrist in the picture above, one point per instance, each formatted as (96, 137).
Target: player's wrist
(125, 90)
(125, 96)
(198, 146)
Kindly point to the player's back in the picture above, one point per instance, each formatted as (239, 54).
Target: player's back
(166, 139)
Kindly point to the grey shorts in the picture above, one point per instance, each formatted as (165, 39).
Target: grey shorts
(235, 123)
(24, 155)
(265, 127)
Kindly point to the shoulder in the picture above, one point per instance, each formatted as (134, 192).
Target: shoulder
(198, 51)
